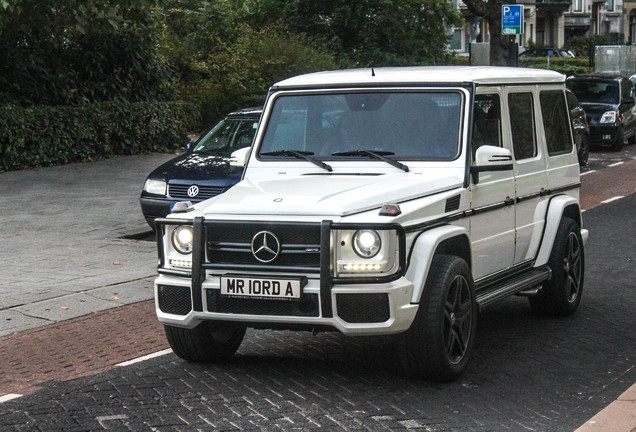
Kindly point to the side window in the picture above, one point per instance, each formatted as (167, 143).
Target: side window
(573, 102)
(524, 142)
(555, 122)
(486, 121)
(625, 90)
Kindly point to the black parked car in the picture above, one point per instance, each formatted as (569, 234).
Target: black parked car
(204, 170)
(579, 127)
(608, 101)
(545, 52)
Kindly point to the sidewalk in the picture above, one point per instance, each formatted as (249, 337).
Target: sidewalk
(64, 255)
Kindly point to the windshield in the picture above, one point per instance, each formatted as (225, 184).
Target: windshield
(595, 91)
(401, 125)
(228, 135)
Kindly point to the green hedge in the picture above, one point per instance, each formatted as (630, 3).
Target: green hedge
(50, 135)
(567, 66)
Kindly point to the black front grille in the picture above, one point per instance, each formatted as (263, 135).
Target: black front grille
(205, 192)
(174, 299)
(229, 245)
(307, 306)
(363, 308)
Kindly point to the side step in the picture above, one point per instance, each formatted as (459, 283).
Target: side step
(517, 284)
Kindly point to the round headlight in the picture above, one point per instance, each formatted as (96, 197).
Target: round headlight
(366, 243)
(182, 239)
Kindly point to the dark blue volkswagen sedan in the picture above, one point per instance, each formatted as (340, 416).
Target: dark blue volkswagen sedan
(204, 170)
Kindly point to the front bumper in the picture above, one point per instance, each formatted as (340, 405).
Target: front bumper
(388, 306)
(154, 208)
(603, 134)
(363, 305)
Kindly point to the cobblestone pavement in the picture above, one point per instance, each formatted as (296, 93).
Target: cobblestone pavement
(528, 372)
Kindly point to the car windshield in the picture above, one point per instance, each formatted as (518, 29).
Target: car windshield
(228, 135)
(402, 125)
(590, 91)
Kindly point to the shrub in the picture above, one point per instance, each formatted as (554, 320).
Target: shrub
(50, 135)
(567, 66)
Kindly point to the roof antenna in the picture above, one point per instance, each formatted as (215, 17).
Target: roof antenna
(372, 71)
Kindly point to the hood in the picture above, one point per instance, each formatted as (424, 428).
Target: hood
(595, 110)
(198, 167)
(330, 194)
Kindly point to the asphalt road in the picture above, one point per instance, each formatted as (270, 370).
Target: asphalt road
(528, 372)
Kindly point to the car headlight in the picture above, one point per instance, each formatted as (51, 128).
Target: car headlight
(608, 117)
(182, 238)
(366, 243)
(155, 187)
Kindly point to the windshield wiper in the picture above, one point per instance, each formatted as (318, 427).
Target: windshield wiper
(300, 155)
(380, 155)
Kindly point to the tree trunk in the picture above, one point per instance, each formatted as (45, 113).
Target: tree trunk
(491, 12)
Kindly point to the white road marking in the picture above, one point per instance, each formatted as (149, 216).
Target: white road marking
(612, 199)
(588, 172)
(144, 358)
(616, 164)
(8, 397)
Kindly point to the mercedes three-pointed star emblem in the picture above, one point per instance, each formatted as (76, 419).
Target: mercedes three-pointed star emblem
(265, 246)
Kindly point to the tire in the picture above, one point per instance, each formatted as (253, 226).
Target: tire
(561, 295)
(208, 342)
(619, 143)
(439, 343)
(584, 151)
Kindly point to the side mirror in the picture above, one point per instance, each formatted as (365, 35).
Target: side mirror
(239, 157)
(188, 146)
(490, 158)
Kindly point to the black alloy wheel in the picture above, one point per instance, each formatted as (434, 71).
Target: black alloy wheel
(458, 326)
(561, 295)
(440, 341)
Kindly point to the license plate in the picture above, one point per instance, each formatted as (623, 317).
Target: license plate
(254, 286)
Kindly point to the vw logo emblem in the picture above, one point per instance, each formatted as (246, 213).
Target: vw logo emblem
(193, 191)
(265, 246)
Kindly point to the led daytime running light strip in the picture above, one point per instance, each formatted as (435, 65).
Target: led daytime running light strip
(362, 267)
(181, 263)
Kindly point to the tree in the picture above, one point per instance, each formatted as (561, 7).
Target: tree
(490, 10)
(367, 32)
(61, 52)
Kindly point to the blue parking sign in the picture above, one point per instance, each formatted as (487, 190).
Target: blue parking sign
(511, 19)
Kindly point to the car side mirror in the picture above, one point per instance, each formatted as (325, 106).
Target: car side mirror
(189, 146)
(239, 157)
(490, 158)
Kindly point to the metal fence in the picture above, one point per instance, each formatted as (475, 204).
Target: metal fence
(616, 59)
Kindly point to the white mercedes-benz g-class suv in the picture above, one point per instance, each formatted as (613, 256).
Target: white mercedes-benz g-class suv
(384, 201)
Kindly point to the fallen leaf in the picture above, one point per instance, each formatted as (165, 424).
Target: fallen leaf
(115, 298)
(64, 307)
(116, 263)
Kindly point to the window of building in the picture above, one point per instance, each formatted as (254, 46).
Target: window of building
(524, 141)
(610, 5)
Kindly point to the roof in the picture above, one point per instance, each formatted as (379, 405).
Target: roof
(422, 75)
